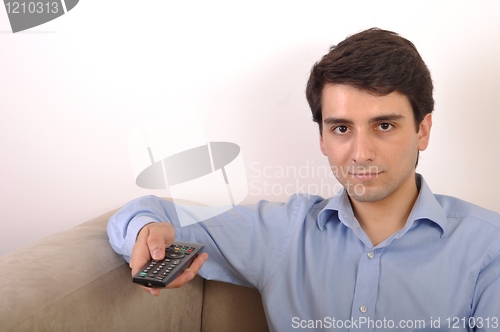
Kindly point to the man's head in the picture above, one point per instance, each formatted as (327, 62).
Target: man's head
(372, 98)
(378, 62)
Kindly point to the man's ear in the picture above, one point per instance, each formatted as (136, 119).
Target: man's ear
(322, 144)
(424, 132)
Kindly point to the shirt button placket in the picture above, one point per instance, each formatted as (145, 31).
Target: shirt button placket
(367, 280)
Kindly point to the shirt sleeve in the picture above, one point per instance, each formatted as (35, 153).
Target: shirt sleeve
(486, 305)
(244, 243)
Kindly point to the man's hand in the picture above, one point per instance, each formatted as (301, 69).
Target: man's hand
(151, 243)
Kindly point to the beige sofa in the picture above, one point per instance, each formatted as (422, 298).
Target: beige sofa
(74, 281)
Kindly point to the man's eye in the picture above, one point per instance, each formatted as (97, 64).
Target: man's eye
(340, 130)
(385, 126)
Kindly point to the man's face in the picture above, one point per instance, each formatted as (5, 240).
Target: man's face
(371, 141)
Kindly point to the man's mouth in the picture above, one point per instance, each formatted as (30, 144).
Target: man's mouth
(365, 175)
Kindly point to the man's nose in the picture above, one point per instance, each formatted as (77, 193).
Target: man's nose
(362, 148)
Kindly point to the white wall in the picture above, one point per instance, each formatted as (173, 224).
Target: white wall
(72, 90)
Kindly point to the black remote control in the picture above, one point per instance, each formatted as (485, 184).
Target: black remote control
(178, 257)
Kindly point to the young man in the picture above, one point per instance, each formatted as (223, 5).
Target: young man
(385, 253)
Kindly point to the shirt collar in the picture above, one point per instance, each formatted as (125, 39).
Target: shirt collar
(426, 207)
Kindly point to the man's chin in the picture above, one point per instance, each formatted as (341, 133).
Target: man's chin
(362, 194)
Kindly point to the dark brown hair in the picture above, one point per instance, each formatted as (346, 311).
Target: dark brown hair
(376, 61)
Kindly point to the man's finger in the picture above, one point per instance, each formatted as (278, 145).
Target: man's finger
(156, 245)
(161, 235)
(140, 252)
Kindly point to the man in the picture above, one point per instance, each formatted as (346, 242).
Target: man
(385, 253)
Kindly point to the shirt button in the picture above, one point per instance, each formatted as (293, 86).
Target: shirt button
(371, 255)
(363, 309)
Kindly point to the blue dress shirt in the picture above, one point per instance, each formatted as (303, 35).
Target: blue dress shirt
(317, 269)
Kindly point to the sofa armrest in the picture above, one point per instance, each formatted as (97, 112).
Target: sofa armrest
(74, 281)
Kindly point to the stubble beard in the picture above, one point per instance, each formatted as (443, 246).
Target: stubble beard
(367, 193)
(361, 193)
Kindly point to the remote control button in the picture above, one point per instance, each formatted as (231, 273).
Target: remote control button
(176, 262)
(175, 255)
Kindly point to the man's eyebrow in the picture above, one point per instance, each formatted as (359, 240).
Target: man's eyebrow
(334, 120)
(384, 117)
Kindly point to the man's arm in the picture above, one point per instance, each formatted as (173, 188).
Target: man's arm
(244, 243)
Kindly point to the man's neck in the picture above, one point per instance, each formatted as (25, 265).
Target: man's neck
(383, 218)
